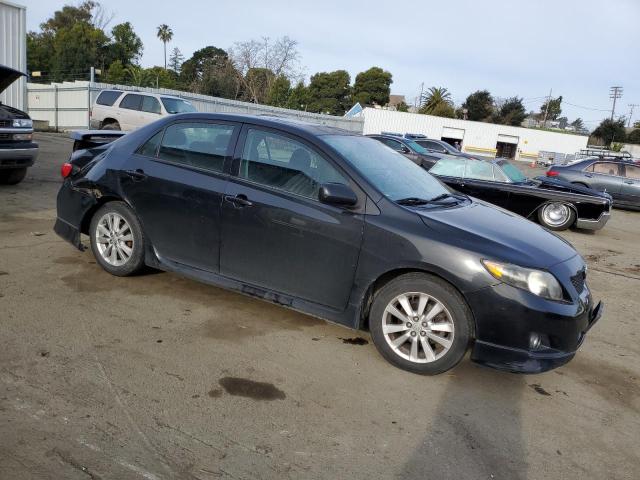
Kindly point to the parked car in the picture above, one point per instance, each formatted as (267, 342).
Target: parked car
(555, 204)
(618, 177)
(410, 149)
(335, 225)
(120, 110)
(17, 149)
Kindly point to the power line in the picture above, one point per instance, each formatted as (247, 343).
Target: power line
(614, 93)
(586, 108)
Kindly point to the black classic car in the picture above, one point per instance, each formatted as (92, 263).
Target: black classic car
(619, 177)
(336, 225)
(555, 204)
(410, 149)
(17, 150)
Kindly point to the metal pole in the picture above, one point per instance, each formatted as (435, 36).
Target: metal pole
(632, 105)
(55, 104)
(615, 93)
(546, 110)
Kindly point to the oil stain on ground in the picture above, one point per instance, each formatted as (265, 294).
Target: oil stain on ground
(538, 388)
(354, 341)
(243, 387)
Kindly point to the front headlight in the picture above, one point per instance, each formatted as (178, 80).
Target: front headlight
(23, 123)
(538, 282)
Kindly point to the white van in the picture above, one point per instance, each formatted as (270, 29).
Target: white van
(125, 110)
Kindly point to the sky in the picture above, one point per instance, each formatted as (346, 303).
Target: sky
(576, 48)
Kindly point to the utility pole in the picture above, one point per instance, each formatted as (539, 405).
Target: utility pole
(614, 93)
(632, 106)
(419, 102)
(546, 110)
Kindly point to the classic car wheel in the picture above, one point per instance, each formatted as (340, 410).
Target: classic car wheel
(556, 215)
(420, 323)
(111, 126)
(12, 176)
(116, 239)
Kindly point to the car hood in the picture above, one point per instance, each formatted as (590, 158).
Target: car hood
(564, 186)
(495, 233)
(8, 76)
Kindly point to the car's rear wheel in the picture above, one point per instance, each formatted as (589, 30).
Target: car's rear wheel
(581, 184)
(420, 323)
(111, 126)
(116, 239)
(556, 215)
(12, 176)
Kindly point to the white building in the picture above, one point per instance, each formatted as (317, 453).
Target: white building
(13, 50)
(475, 137)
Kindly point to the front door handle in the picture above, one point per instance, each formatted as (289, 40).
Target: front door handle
(239, 201)
(137, 174)
(588, 175)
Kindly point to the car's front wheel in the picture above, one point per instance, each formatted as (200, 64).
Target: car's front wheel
(420, 323)
(111, 126)
(116, 239)
(556, 216)
(12, 176)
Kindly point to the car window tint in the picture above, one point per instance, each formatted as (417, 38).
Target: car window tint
(107, 97)
(397, 146)
(606, 168)
(150, 147)
(449, 167)
(150, 104)
(436, 146)
(283, 163)
(632, 172)
(131, 102)
(479, 170)
(499, 175)
(202, 145)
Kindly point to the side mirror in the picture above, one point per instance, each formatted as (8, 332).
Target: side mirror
(404, 149)
(337, 194)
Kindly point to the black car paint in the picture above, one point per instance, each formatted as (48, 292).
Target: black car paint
(625, 191)
(525, 198)
(340, 255)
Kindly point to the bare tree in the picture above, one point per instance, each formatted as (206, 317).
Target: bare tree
(100, 16)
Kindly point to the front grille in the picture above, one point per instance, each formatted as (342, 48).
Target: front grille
(578, 280)
(6, 136)
(5, 123)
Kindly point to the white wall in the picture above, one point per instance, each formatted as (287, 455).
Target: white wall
(13, 50)
(633, 149)
(479, 137)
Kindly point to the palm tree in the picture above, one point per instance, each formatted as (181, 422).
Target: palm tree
(434, 98)
(165, 34)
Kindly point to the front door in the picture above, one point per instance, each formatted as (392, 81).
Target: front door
(175, 184)
(630, 191)
(606, 177)
(275, 232)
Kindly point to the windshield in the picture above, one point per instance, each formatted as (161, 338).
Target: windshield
(392, 174)
(512, 172)
(177, 105)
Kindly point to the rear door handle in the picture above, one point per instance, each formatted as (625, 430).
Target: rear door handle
(137, 174)
(239, 201)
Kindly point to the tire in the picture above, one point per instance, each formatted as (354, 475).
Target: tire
(111, 126)
(410, 352)
(12, 176)
(120, 253)
(556, 216)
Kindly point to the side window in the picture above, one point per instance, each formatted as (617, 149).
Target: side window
(436, 146)
(108, 97)
(606, 168)
(632, 172)
(202, 145)
(150, 104)
(131, 101)
(150, 147)
(450, 167)
(499, 175)
(479, 170)
(283, 163)
(397, 146)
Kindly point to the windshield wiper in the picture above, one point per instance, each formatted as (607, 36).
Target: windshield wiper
(412, 201)
(437, 200)
(447, 195)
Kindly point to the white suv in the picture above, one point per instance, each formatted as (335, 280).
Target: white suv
(122, 110)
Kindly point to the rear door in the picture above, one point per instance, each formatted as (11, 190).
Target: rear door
(175, 183)
(128, 111)
(606, 177)
(630, 190)
(276, 234)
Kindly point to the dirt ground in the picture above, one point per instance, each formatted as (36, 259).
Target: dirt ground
(159, 377)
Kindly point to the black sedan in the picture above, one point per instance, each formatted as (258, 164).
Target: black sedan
(619, 178)
(336, 225)
(555, 204)
(411, 149)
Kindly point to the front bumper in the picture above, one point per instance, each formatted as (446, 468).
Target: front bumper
(18, 155)
(594, 224)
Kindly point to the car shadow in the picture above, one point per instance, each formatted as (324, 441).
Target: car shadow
(476, 431)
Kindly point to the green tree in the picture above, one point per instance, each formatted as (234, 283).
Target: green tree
(433, 99)
(76, 50)
(257, 82)
(402, 107)
(68, 16)
(39, 52)
(159, 77)
(279, 92)
(165, 34)
(176, 59)
(511, 112)
(479, 105)
(116, 73)
(636, 124)
(299, 97)
(555, 108)
(443, 109)
(372, 86)
(205, 66)
(330, 92)
(634, 136)
(126, 46)
(610, 131)
(578, 124)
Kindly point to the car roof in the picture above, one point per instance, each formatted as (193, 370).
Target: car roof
(137, 92)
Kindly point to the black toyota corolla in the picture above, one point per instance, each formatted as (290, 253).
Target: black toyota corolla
(335, 225)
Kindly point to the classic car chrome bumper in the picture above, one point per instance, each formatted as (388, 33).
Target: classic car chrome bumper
(594, 224)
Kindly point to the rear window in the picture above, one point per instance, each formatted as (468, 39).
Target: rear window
(131, 102)
(107, 97)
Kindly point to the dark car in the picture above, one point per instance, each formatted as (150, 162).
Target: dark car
(555, 204)
(335, 225)
(410, 149)
(620, 178)
(17, 150)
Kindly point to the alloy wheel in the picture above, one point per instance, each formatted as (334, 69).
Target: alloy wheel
(114, 239)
